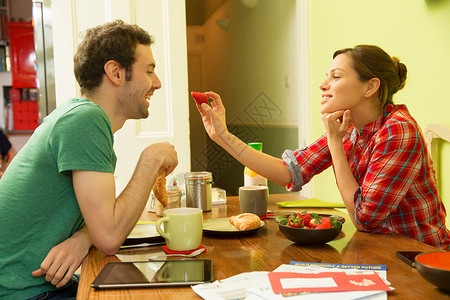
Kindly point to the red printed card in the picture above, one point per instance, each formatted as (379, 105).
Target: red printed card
(290, 282)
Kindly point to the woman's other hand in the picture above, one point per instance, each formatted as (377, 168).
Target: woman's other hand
(336, 124)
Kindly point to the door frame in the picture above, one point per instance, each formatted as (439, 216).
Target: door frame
(304, 92)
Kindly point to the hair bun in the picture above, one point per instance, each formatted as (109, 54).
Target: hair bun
(401, 70)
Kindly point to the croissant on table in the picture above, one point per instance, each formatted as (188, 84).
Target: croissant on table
(245, 221)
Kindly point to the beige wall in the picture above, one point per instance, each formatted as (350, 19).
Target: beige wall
(256, 54)
(252, 63)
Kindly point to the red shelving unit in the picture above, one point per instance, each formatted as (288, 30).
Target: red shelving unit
(23, 55)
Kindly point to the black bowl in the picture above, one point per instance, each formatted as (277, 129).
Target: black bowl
(310, 236)
(435, 268)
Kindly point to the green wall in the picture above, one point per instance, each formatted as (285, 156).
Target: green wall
(416, 31)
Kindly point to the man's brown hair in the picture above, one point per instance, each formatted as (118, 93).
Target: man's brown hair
(111, 41)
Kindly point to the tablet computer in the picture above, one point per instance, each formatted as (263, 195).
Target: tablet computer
(155, 273)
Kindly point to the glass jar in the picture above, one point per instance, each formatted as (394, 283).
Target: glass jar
(174, 194)
(199, 190)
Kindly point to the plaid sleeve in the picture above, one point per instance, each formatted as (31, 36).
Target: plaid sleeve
(307, 162)
(395, 163)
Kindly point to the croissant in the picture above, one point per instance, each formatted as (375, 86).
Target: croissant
(245, 221)
(159, 188)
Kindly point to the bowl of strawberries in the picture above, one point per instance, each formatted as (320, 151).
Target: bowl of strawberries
(307, 228)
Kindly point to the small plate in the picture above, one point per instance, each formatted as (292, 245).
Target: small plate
(223, 227)
(143, 233)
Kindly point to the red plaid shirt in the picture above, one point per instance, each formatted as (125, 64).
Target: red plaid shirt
(397, 184)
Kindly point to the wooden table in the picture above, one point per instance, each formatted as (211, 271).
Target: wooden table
(268, 249)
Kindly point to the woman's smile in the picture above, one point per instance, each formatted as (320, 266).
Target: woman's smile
(325, 98)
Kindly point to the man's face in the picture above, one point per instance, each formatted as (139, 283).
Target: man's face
(137, 92)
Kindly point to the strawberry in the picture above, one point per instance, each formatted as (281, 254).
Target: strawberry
(323, 226)
(325, 220)
(313, 223)
(325, 223)
(201, 98)
(295, 220)
(306, 218)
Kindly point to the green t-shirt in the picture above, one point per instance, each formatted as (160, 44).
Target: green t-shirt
(38, 207)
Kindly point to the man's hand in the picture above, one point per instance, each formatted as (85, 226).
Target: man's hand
(64, 259)
(161, 152)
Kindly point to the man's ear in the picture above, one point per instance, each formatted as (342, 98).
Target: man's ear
(113, 71)
(373, 85)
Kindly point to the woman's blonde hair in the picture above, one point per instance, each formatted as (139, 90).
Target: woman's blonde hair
(373, 62)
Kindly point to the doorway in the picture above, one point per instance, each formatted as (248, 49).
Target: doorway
(18, 134)
(249, 55)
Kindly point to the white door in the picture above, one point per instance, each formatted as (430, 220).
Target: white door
(169, 112)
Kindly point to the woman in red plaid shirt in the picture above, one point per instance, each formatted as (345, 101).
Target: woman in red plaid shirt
(382, 167)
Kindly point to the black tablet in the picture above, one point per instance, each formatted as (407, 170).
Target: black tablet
(155, 273)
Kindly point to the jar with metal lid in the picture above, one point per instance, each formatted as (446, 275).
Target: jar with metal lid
(174, 200)
(199, 190)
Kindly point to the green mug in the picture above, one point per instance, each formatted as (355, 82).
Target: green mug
(183, 228)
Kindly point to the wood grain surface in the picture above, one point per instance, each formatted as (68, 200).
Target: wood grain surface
(267, 249)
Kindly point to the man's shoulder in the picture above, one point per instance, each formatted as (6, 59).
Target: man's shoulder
(78, 110)
(80, 105)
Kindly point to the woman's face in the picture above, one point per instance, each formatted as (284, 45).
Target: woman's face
(342, 89)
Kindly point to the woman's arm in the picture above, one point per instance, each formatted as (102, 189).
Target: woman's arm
(336, 125)
(268, 166)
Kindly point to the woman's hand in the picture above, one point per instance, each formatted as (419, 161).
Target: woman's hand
(214, 118)
(336, 124)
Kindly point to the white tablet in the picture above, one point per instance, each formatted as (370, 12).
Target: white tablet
(155, 273)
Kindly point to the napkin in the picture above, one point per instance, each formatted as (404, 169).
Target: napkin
(313, 202)
(168, 251)
(146, 222)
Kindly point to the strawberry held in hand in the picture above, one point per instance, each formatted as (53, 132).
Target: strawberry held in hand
(201, 98)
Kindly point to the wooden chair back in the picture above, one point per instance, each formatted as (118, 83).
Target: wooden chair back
(433, 134)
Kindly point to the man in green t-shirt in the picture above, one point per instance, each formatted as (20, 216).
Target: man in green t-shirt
(57, 197)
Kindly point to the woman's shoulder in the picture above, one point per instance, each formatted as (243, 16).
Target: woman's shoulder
(399, 115)
(398, 122)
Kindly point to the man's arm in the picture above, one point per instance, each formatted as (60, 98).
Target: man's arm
(65, 258)
(111, 219)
